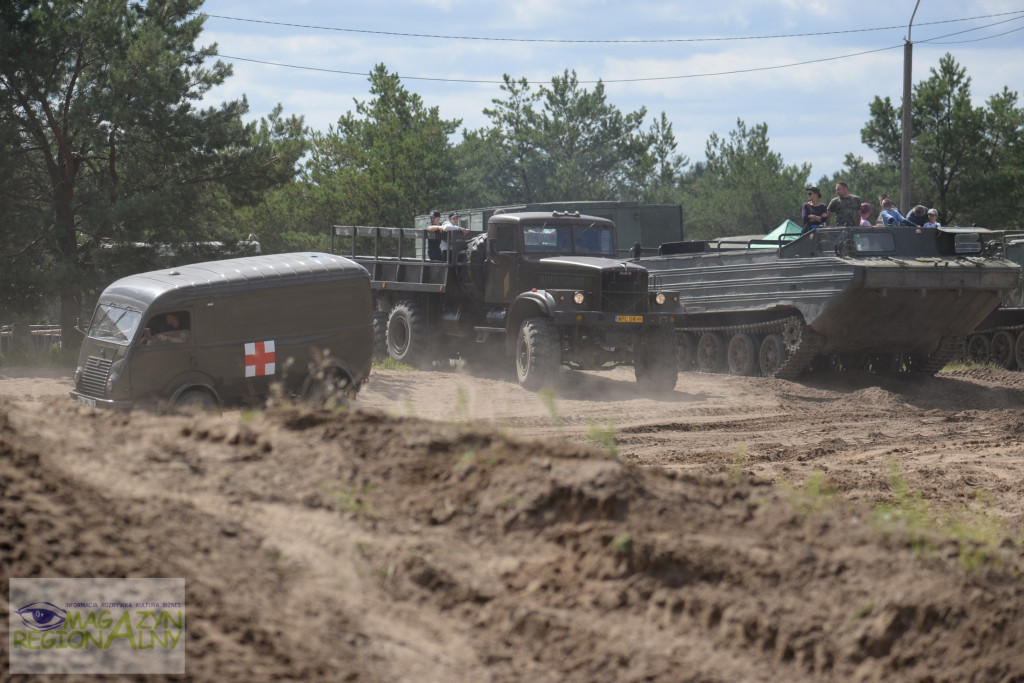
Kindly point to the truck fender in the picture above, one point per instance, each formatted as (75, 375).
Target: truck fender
(530, 304)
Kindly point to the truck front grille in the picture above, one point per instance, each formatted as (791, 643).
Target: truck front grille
(563, 281)
(93, 381)
(624, 291)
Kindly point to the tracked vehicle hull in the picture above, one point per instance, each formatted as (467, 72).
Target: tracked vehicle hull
(881, 299)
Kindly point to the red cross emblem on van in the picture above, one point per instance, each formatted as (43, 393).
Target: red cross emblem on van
(259, 359)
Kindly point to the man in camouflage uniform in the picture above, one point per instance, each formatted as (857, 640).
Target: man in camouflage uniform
(845, 207)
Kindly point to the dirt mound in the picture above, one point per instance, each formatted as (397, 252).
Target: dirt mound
(363, 546)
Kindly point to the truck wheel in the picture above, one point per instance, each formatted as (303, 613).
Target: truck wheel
(656, 364)
(407, 335)
(380, 333)
(977, 348)
(687, 351)
(538, 354)
(743, 356)
(711, 352)
(1018, 350)
(772, 354)
(1001, 352)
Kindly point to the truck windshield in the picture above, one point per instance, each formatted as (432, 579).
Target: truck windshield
(566, 239)
(114, 323)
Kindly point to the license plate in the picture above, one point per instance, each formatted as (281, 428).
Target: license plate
(91, 402)
(629, 318)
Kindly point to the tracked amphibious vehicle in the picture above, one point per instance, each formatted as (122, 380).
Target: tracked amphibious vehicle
(880, 299)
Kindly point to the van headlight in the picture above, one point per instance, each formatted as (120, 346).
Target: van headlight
(579, 298)
(659, 298)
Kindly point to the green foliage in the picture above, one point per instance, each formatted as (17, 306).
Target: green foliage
(389, 363)
(102, 133)
(977, 533)
(623, 543)
(966, 161)
(564, 141)
(744, 188)
(603, 437)
(816, 494)
(547, 397)
(383, 163)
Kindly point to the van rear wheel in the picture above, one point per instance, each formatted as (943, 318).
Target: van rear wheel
(327, 388)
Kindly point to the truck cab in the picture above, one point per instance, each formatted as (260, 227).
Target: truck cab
(543, 287)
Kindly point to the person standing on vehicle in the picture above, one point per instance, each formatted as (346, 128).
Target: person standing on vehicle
(814, 212)
(933, 219)
(865, 215)
(434, 232)
(890, 214)
(918, 217)
(845, 206)
(451, 225)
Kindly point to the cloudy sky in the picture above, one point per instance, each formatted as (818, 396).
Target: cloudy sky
(808, 68)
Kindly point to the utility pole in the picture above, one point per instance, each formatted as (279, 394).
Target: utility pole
(908, 59)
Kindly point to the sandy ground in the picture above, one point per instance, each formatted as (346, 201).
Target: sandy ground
(458, 528)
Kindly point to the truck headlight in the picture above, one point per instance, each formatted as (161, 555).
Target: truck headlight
(579, 298)
(659, 298)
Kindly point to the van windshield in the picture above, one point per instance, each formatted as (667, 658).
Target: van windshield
(114, 323)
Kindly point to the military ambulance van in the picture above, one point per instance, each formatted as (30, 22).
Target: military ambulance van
(225, 332)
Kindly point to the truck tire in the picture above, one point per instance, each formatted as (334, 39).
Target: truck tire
(711, 352)
(743, 355)
(538, 354)
(407, 336)
(772, 354)
(656, 364)
(1001, 351)
(380, 334)
(978, 348)
(687, 351)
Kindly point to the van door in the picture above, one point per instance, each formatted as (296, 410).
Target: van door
(164, 357)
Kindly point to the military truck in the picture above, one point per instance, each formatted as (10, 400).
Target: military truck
(542, 287)
(880, 299)
(999, 338)
(650, 224)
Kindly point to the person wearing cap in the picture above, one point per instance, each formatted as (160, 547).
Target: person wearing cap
(933, 219)
(450, 225)
(434, 231)
(865, 214)
(918, 216)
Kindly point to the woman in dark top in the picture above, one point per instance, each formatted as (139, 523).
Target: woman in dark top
(814, 213)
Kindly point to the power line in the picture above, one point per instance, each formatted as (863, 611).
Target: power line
(647, 78)
(594, 41)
